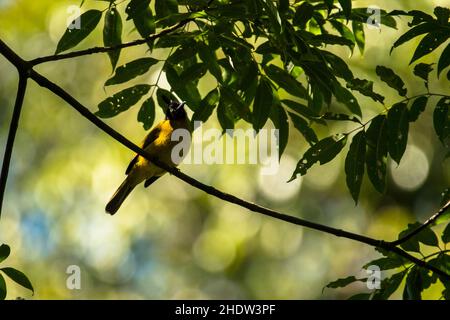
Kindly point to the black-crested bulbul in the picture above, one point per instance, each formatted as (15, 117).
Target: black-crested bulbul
(158, 143)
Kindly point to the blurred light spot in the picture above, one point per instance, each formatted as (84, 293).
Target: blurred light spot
(275, 187)
(214, 251)
(280, 240)
(322, 177)
(413, 169)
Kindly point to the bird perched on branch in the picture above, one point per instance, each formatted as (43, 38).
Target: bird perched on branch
(158, 143)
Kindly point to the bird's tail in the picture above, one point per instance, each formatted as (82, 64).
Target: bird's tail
(120, 195)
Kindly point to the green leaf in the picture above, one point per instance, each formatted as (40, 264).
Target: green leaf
(274, 16)
(281, 122)
(429, 43)
(360, 296)
(339, 117)
(262, 104)
(354, 164)
(208, 56)
(413, 287)
(446, 234)
(441, 119)
(412, 33)
(225, 114)
(385, 263)
(146, 113)
(365, 87)
(18, 277)
(376, 153)
(360, 38)
(4, 252)
(347, 98)
(340, 283)
(121, 101)
(187, 91)
(302, 126)
(422, 70)
(194, 72)
(141, 14)
(207, 106)
(131, 70)
(72, 37)
(344, 31)
(323, 151)
(444, 60)
(331, 39)
(112, 34)
(303, 14)
(389, 286)
(300, 108)
(398, 129)
(388, 76)
(338, 65)
(2, 288)
(425, 236)
(417, 107)
(442, 14)
(160, 94)
(165, 8)
(286, 81)
(346, 7)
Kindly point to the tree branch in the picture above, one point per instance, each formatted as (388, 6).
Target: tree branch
(46, 83)
(427, 223)
(74, 54)
(12, 135)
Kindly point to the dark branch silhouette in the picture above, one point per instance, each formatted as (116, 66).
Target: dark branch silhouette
(80, 53)
(26, 68)
(12, 135)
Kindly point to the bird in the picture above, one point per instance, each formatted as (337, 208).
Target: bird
(159, 144)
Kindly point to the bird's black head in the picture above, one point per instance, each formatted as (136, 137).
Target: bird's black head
(176, 111)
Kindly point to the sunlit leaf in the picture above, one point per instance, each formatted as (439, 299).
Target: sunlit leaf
(347, 98)
(131, 70)
(4, 252)
(281, 122)
(286, 81)
(146, 113)
(444, 60)
(302, 126)
(417, 107)
(121, 101)
(112, 34)
(207, 106)
(262, 104)
(446, 234)
(388, 76)
(144, 21)
(87, 23)
(412, 33)
(389, 286)
(365, 87)
(18, 277)
(398, 128)
(300, 108)
(377, 152)
(340, 283)
(2, 288)
(413, 286)
(354, 164)
(323, 151)
(429, 43)
(441, 119)
(360, 38)
(385, 263)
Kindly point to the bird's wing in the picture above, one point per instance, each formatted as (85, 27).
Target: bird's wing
(152, 135)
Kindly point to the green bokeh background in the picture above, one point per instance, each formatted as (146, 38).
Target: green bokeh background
(172, 241)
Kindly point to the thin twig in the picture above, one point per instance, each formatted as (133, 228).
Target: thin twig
(74, 54)
(12, 135)
(427, 223)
